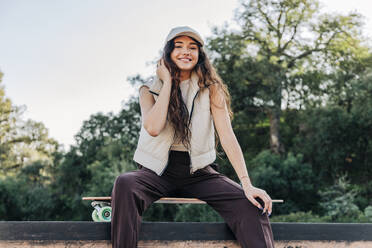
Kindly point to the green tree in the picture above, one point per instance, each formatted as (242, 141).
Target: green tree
(104, 150)
(280, 53)
(337, 139)
(6, 124)
(27, 196)
(22, 142)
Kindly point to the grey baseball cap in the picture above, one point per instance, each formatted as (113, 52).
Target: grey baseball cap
(184, 30)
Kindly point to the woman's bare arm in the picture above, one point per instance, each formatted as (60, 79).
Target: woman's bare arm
(232, 148)
(154, 114)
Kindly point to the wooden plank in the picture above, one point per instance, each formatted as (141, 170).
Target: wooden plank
(97, 198)
(169, 200)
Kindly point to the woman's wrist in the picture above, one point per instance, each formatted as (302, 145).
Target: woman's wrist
(245, 176)
(167, 82)
(245, 180)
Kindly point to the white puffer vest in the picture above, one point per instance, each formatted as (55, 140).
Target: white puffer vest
(153, 152)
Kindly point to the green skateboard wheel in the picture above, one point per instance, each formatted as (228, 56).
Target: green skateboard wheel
(95, 216)
(104, 214)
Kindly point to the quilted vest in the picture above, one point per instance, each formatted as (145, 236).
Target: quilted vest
(153, 152)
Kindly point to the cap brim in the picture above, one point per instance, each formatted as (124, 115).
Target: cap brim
(190, 34)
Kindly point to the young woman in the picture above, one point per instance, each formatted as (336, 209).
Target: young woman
(180, 109)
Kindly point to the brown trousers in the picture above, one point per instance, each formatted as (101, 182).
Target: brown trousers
(134, 191)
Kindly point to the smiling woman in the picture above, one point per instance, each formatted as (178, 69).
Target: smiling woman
(176, 149)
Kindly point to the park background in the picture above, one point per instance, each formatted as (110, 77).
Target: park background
(299, 75)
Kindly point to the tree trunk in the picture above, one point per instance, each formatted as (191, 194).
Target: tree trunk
(275, 112)
(275, 144)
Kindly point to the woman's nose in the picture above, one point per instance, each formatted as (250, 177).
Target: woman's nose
(186, 51)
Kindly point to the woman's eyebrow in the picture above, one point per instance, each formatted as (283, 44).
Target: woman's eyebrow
(181, 42)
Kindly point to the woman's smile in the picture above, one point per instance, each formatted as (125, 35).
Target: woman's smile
(186, 60)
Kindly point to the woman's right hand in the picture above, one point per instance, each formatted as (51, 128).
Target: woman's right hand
(162, 72)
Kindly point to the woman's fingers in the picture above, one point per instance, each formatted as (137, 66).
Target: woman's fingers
(162, 72)
(268, 203)
(256, 203)
(161, 64)
(252, 192)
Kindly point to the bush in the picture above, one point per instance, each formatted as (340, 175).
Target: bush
(338, 201)
(286, 178)
(197, 213)
(22, 200)
(300, 217)
(368, 213)
(335, 141)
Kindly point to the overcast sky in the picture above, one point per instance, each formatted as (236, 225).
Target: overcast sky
(66, 60)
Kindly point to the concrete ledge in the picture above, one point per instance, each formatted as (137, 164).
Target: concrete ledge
(180, 244)
(174, 231)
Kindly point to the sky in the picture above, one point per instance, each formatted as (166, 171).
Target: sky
(66, 60)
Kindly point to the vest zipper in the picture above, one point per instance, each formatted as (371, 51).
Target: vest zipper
(192, 110)
(192, 106)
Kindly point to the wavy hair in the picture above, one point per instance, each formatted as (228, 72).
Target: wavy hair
(178, 114)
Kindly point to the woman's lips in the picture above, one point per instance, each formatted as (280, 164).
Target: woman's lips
(185, 60)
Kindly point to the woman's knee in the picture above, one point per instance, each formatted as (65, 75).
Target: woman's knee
(125, 182)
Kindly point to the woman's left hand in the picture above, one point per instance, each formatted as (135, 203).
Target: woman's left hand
(251, 192)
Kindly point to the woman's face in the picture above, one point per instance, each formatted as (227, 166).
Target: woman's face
(185, 53)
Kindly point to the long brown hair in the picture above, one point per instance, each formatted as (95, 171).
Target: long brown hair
(178, 114)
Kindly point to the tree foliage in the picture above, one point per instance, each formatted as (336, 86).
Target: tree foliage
(22, 142)
(280, 47)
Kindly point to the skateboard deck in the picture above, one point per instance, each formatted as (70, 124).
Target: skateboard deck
(102, 205)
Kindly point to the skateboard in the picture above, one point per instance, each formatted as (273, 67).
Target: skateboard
(102, 205)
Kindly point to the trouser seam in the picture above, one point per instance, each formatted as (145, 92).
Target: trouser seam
(268, 242)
